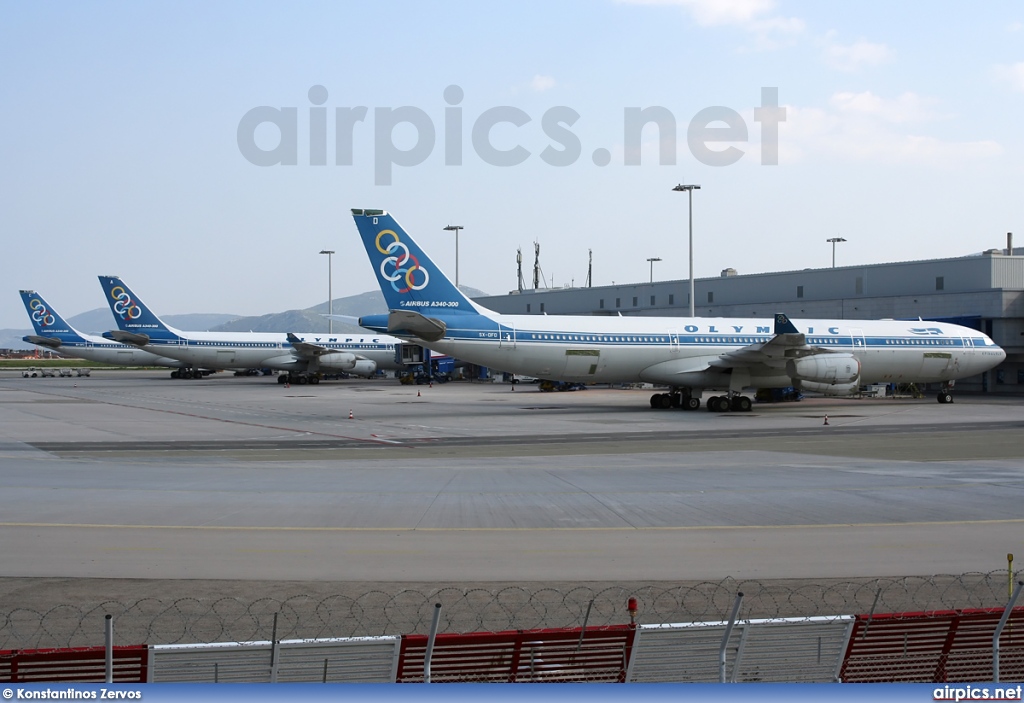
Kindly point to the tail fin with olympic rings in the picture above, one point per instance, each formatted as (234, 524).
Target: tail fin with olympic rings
(408, 278)
(131, 313)
(47, 322)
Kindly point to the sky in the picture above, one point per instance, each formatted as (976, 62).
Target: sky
(133, 136)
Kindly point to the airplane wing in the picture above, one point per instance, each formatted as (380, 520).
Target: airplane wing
(787, 343)
(307, 350)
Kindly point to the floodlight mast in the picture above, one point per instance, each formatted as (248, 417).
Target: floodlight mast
(330, 292)
(834, 241)
(689, 189)
(455, 228)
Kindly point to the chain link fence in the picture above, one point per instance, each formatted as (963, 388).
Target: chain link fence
(402, 611)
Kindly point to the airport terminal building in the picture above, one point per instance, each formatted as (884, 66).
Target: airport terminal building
(983, 291)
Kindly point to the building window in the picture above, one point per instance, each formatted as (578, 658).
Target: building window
(711, 296)
(602, 303)
(542, 307)
(634, 301)
(799, 291)
(618, 302)
(940, 283)
(527, 307)
(652, 301)
(859, 286)
(671, 299)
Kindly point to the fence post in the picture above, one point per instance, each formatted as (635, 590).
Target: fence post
(583, 630)
(725, 637)
(430, 643)
(273, 652)
(999, 631)
(108, 642)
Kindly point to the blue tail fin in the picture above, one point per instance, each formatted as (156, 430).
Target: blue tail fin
(407, 276)
(45, 319)
(130, 312)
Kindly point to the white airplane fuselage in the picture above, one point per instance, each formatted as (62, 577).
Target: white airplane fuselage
(684, 351)
(95, 348)
(228, 350)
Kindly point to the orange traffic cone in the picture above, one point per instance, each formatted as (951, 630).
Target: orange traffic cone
(826, 419)
(350, 415)
(417, 394)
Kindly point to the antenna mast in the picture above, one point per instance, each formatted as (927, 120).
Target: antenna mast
(590, 265)
(519, 266)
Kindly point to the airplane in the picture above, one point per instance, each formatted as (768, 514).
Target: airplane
(52, 332)
(301, 356)
(689, 355)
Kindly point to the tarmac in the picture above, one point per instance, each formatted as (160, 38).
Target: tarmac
(130, 482)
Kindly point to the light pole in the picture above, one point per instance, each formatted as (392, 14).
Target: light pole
(834, 240)
(652, 260)
(330, 292)
(689, 189)
(455, 228)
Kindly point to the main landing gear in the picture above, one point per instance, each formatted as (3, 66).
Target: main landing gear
(187, 373)
(724, 403)
(716, 403)
(675, 399)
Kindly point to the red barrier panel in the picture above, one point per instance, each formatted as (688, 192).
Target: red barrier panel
(73, 665)
(555, 655)
(934, 647)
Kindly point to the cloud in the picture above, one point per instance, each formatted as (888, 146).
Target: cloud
(542, 83)
(1012, 75)
(860, 54)
(1015, 26)
(752, 16)
(864, 127)
(908, 107)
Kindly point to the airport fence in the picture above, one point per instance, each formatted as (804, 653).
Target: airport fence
(409, 611)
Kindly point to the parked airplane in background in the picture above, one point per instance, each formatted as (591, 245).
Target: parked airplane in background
(689, 355)
(52, 332)
(302, 356)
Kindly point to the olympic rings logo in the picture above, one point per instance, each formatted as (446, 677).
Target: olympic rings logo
(123, 305)
(395, 266)
(40, 314)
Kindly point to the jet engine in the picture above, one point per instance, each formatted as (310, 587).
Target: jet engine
(338, 361)
(364, 367)
(828, 388)
(825, 369)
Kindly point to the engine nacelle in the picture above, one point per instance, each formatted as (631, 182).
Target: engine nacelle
(338, 361)
(364, 367)
(826, 369)
(828, 388)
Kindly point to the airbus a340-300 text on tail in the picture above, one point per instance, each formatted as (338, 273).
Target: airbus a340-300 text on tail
(52, 332)
(689, 355)
(302, 356)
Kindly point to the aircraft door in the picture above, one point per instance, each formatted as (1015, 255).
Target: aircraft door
(506, 336)
(857, 340)
(673, 341)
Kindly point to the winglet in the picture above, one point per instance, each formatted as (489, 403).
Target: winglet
(783, 325)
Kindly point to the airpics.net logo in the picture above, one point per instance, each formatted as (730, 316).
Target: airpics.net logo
(705, 132)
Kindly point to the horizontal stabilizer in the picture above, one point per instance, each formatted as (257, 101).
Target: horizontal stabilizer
(51, 342)
(133, 338)
(414, 324)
